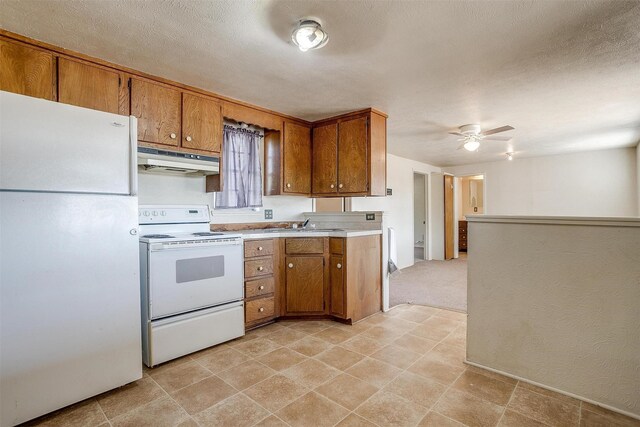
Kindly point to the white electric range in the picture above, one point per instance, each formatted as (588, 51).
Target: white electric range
(191, 282)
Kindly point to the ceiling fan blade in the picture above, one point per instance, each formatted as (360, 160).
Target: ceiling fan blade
(497, 138)
(497, 130)
(456, 133)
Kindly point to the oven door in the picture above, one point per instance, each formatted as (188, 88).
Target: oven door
(188, 276)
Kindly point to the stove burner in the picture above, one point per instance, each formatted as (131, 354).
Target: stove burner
(157, 236)
(207, 233)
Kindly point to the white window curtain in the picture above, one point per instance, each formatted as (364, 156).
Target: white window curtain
(241, 172)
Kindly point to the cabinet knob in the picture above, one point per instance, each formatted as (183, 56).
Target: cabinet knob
(261, 309)
(259, 248)
(261, 287)
(288, 185)
(188, 138)
(333, 186)
(173, 136)
(290, 265)
(340, 186)
(260, 268)
(339, 265)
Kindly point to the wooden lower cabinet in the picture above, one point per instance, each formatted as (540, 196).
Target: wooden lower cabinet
(338, 300)
(313, 277)
(356, 277)
(260, 290)
(304, 284)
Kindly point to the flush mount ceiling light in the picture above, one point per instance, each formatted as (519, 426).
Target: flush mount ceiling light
(309, 35)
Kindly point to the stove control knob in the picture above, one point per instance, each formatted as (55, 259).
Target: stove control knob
(133, 231)
(146, 213)
(155, 213)
(163, 213)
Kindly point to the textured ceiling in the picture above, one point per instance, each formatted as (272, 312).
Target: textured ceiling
(566, 75)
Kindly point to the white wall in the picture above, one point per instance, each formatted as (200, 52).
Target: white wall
(594, 183)
(562, 308)
(638, 174)
(170, 189)
(398, 208)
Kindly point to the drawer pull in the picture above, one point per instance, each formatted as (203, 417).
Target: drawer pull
(259, 248)
(340, 186)
(188, 138)
(261, 287)
(290, 265)
(333, 186)
(173, 136)
(261, 309)
(288, 185)
(339, 266)
(260, 268)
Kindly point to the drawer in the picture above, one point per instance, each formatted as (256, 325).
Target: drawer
(255, 288)
(254, 248)
(258, 267)
(258, 309)
(302, 245)
(336, 245)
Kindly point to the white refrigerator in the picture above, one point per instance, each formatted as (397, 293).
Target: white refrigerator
(69, 269)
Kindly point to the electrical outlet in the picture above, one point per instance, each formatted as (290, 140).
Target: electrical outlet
(370, 217)
(389, 192)
(268, 214)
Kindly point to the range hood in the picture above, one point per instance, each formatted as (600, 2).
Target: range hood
(174, 163)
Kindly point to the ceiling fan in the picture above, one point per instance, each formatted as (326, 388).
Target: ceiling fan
(472, 135)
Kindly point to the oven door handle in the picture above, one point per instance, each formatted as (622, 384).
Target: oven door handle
(160, 247)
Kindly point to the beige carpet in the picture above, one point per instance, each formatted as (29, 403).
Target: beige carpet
(436, 283)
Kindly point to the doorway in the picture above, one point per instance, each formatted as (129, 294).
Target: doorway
(420, 251)
(469, 200)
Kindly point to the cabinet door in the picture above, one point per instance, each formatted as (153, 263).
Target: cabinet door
(297, 159)
(338, 306)
(352, 156)
(88, 86)
(325, 159)
(25, 70)
(201, 123)
(304, 283)
(157, 108)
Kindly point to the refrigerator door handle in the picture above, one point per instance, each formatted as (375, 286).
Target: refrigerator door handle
(133, 142)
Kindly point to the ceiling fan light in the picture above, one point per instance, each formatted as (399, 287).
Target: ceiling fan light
(309, 35)
(472, 145)
(509, 156)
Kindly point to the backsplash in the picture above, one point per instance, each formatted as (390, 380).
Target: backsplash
(345, 220)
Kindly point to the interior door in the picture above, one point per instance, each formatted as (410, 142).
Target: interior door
(157, 108)
(297, 159)
(325, 159)
(448, 217)
(352, 156)
(88, 86)
(304, 284)
(201, 123)
(26, 70)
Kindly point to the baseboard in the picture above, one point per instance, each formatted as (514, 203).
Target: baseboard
(566, 393)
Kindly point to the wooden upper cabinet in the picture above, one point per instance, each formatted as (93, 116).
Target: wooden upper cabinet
(350, 152)
(201, 123)
(157, 108)
(324, 179)
(88, 86)
(26, 70)
(296, 159)
(352, 156)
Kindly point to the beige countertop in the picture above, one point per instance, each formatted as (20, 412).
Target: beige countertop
(274, 232)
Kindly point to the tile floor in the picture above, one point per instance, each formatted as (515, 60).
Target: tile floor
(402, 368)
